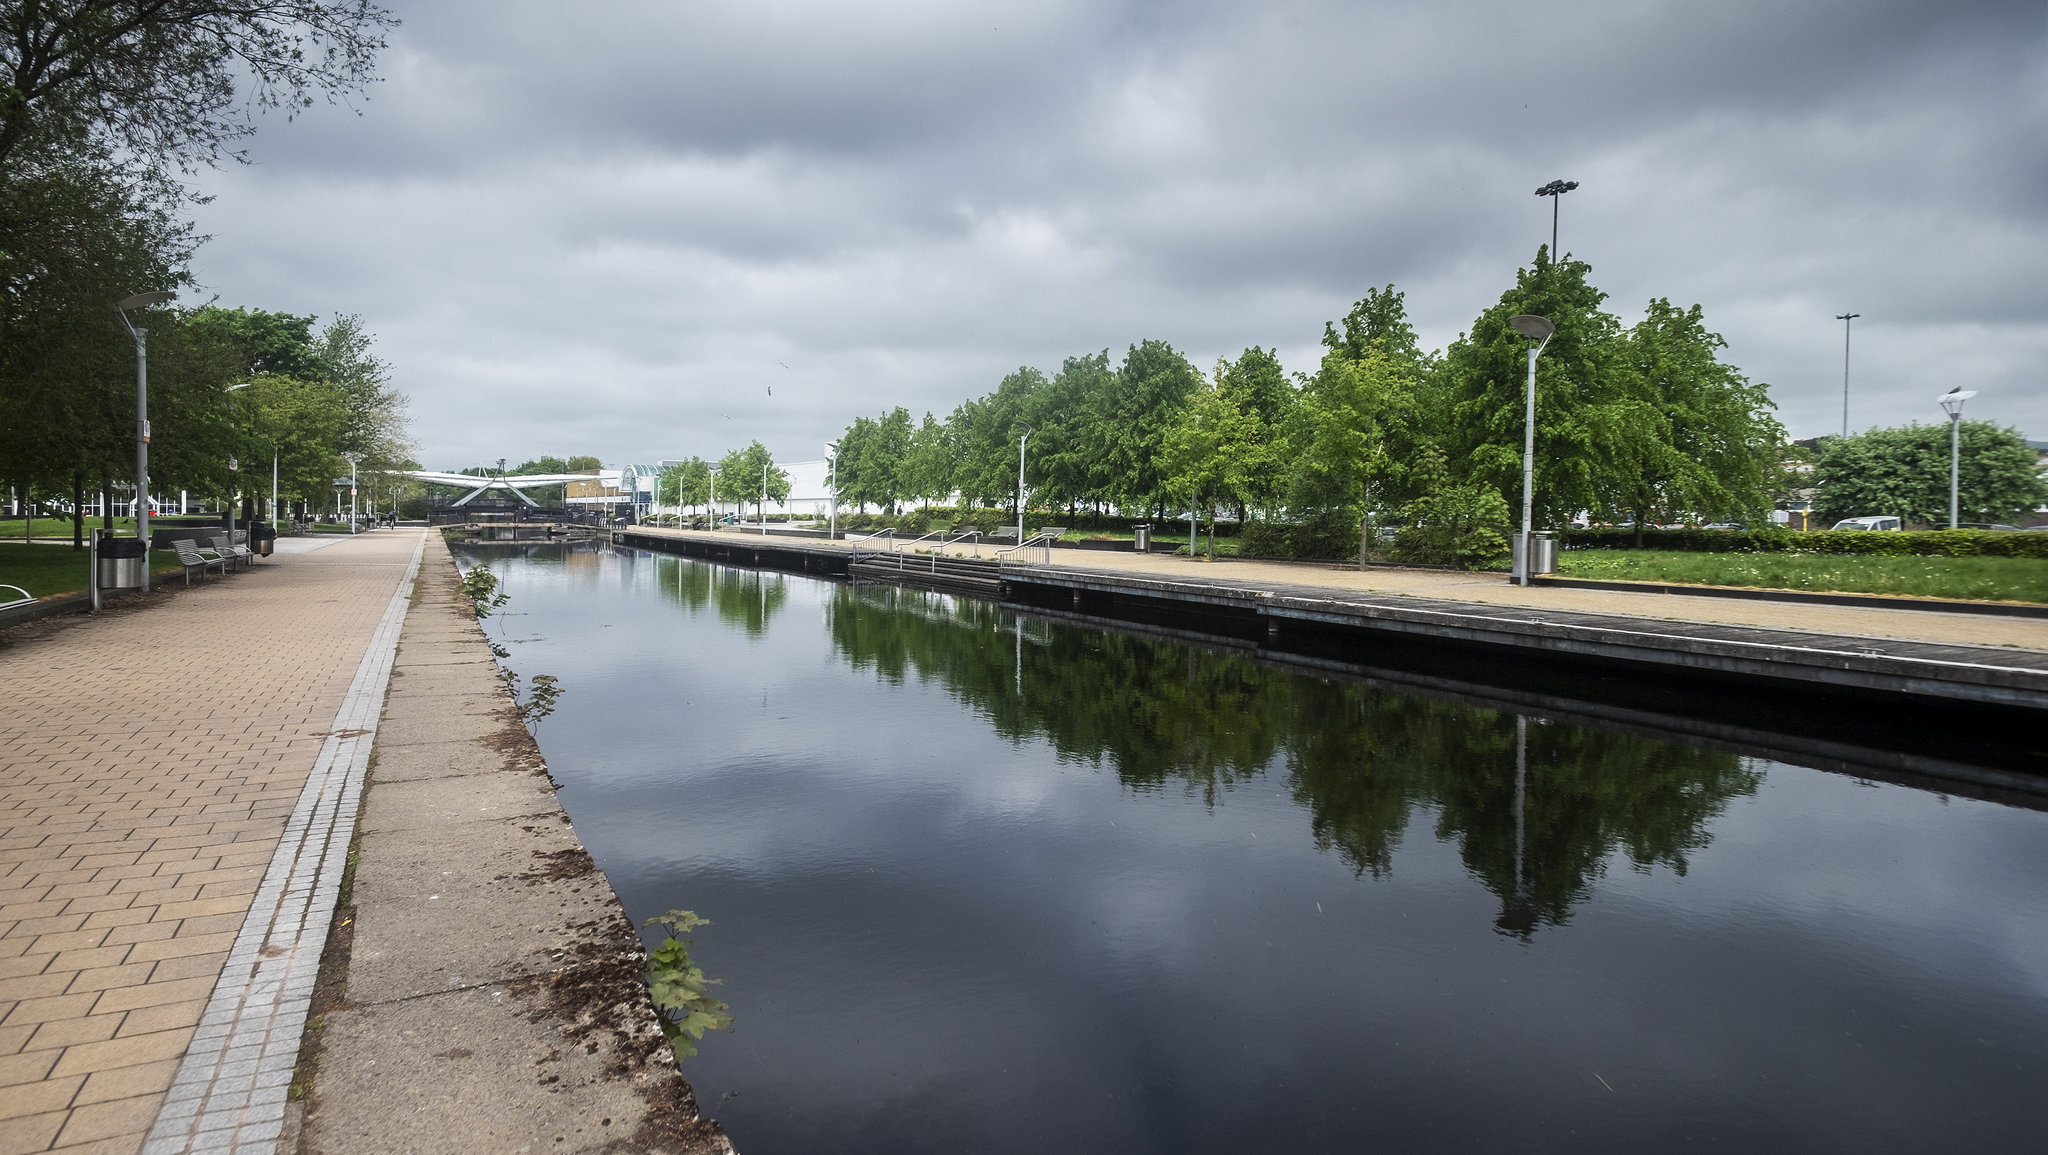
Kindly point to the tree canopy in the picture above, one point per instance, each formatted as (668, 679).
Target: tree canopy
(1903, 472)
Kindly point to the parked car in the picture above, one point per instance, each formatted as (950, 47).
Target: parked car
(1725, 525)
(1870, 522)
(1985, 525)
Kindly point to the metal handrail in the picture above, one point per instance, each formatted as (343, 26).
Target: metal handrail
(23, 600)
(888, 533)
(964, 535)
(1041, 541)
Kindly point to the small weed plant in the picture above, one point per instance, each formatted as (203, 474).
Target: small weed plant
(480, 586)
(681, 993)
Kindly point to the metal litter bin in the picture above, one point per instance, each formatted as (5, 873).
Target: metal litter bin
(121, 562)
(1141, 538)
(262, 539)
(1542, 552)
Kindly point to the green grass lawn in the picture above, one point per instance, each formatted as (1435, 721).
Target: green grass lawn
(10, 529)
(1974, 578)
(43, 570)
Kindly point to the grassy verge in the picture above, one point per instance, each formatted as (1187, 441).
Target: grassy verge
(1972, 578)
(11, 528)
(44, 570)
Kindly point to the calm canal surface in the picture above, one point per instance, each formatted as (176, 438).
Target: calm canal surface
(991, 883)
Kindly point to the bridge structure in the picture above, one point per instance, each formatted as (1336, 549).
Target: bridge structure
(478, 486)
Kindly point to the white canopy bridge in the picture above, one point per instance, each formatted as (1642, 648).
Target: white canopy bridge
(478, 486)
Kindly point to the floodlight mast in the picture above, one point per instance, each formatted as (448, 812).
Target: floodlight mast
(1538, 330)
(1555, 190)
(1845, 318)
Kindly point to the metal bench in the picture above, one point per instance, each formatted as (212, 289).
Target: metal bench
(228, 549)
(190, 557)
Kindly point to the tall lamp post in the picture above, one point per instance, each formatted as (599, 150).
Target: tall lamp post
(235, 467)
(832, 521)
(1952, 403)
(1845, 318)
(1538, 330)
(141, 301)
(1023, 436)
(353, 458)
(764, 496)
(1555, 190)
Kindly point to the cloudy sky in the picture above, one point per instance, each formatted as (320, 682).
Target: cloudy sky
(657, 229)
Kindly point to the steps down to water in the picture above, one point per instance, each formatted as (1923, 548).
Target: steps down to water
(928, 571)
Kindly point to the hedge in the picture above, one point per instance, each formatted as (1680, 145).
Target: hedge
(1884, 543)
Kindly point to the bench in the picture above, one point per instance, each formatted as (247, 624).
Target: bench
(242, 553)
(190, 557)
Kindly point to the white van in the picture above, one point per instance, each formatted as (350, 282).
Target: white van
(1868, 523)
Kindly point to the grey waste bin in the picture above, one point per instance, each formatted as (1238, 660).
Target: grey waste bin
(1543, 552)
(1141, 538)
(121, 562)
(262, 539)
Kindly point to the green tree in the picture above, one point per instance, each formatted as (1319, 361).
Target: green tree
(744, 473)
(1593, 419)
(685, 484)
(1213, 452)
(927, 470)
(1707, 446)
(175, 80)
(1153, 386)
(1256, 385)
(1903, 472)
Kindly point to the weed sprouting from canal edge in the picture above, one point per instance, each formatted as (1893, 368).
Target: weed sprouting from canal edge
(680, 992)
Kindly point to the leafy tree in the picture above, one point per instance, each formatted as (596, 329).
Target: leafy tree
(926, 473)
(1592, 418)
(1450, 523)
(741, 475)
(1379, 320)
(1257, 386)
(987, 429)
(1709, 447)
(1353, 435)
(174, 79)
(1153, 386)
(686, 483)
(1903, 472)
(1213, 452)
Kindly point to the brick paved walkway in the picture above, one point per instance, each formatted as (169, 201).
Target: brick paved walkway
(149, 760)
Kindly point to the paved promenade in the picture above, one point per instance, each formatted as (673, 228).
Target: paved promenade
(1494, 589)
(153, 761)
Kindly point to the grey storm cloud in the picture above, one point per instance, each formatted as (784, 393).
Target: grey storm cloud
(606, 229)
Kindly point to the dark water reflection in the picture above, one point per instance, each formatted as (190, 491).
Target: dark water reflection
(984, 882)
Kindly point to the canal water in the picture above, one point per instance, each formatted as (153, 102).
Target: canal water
(986, 882)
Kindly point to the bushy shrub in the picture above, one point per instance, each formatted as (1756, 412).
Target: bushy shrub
(1324, 537)
(1928, 543)
(1458, 525)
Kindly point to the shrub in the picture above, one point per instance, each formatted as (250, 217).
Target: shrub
(1927, 543)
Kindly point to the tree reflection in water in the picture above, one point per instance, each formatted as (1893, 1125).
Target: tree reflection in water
(746, 598)
(1536, 809)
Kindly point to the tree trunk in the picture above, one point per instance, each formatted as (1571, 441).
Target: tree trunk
(1639, 528)
(78, 509)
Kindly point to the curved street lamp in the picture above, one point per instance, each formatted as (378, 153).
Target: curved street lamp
(1951, 402)
(1538, 330)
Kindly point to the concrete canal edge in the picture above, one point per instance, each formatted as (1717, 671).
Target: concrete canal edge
(482, 987)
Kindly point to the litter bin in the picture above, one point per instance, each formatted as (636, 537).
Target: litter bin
(262, 539)
(1141, 538)
(121, 562)
(1543, 552)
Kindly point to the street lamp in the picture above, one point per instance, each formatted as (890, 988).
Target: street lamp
(1845, 318)
(1538, 330)
(353, 458)
(235, 467)
(141, 301)
(1023, 436)
(1555, 190)
(1952, 403)
(832, 521)
(764, 496)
